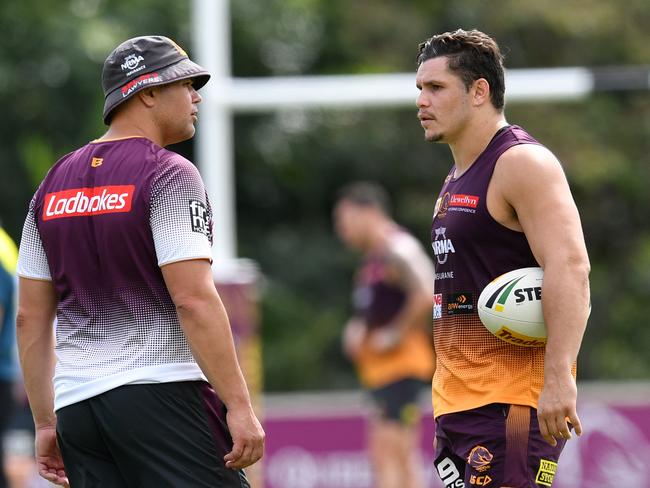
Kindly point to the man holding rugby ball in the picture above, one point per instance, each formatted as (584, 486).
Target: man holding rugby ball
(503, 412)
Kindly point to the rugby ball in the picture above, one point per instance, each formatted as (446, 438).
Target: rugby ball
(511, 307)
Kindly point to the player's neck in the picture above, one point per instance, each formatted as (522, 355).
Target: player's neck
(473, 140)
(126, 127)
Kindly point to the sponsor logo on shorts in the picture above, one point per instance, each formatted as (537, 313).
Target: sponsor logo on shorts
(409, 414)
(499, 297)
(483, 480)
(80, 202)
(480, 458)
(133, 85)
(546, 472)
(460, 303)
(449, 474)
(437, 306)
(199, 218)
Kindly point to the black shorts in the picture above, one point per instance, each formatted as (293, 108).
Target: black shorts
(398, 401)
(7, 404)
(148, 436)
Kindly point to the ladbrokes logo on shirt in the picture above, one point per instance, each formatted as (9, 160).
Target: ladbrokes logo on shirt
(80, 202)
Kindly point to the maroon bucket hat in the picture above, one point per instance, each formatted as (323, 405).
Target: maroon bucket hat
(143, 62)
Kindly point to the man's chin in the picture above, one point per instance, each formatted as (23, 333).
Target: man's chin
(181, 137)
(189, 133)
(433, 137)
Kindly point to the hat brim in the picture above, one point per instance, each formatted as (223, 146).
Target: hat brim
(182, 70)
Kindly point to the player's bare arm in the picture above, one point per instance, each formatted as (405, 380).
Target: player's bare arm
(207, 329)
(35, 335)
(413, 271)
(529, 192)
(411, 268)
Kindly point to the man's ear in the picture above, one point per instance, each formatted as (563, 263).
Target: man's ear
(148, 96)
(481, 91)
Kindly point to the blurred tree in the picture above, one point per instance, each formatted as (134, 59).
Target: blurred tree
(289, 164)
(50, 81)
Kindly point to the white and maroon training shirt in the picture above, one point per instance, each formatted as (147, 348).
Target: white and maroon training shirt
(103, 221)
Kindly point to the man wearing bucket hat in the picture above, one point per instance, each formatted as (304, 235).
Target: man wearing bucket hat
(116, 243)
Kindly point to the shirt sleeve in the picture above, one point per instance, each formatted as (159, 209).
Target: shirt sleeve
(180, 214)
(32, 260)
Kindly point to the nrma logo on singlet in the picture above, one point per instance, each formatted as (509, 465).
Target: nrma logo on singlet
(442, 246)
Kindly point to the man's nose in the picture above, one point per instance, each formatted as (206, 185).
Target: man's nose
(421, 100)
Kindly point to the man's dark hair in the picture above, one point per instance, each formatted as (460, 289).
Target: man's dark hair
(471, 55)
(365, 194)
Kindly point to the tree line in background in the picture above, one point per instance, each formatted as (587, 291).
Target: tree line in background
(289, 164)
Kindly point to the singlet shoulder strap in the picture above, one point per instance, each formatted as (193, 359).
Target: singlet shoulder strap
(504, 139)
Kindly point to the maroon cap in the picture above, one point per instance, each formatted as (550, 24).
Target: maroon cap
(142, 62)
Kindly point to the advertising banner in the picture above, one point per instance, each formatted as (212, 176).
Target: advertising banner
(321, 450)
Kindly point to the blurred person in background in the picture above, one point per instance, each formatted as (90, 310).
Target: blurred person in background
(8, 361)
(117, 242)
(388, 337)
(503, 412)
